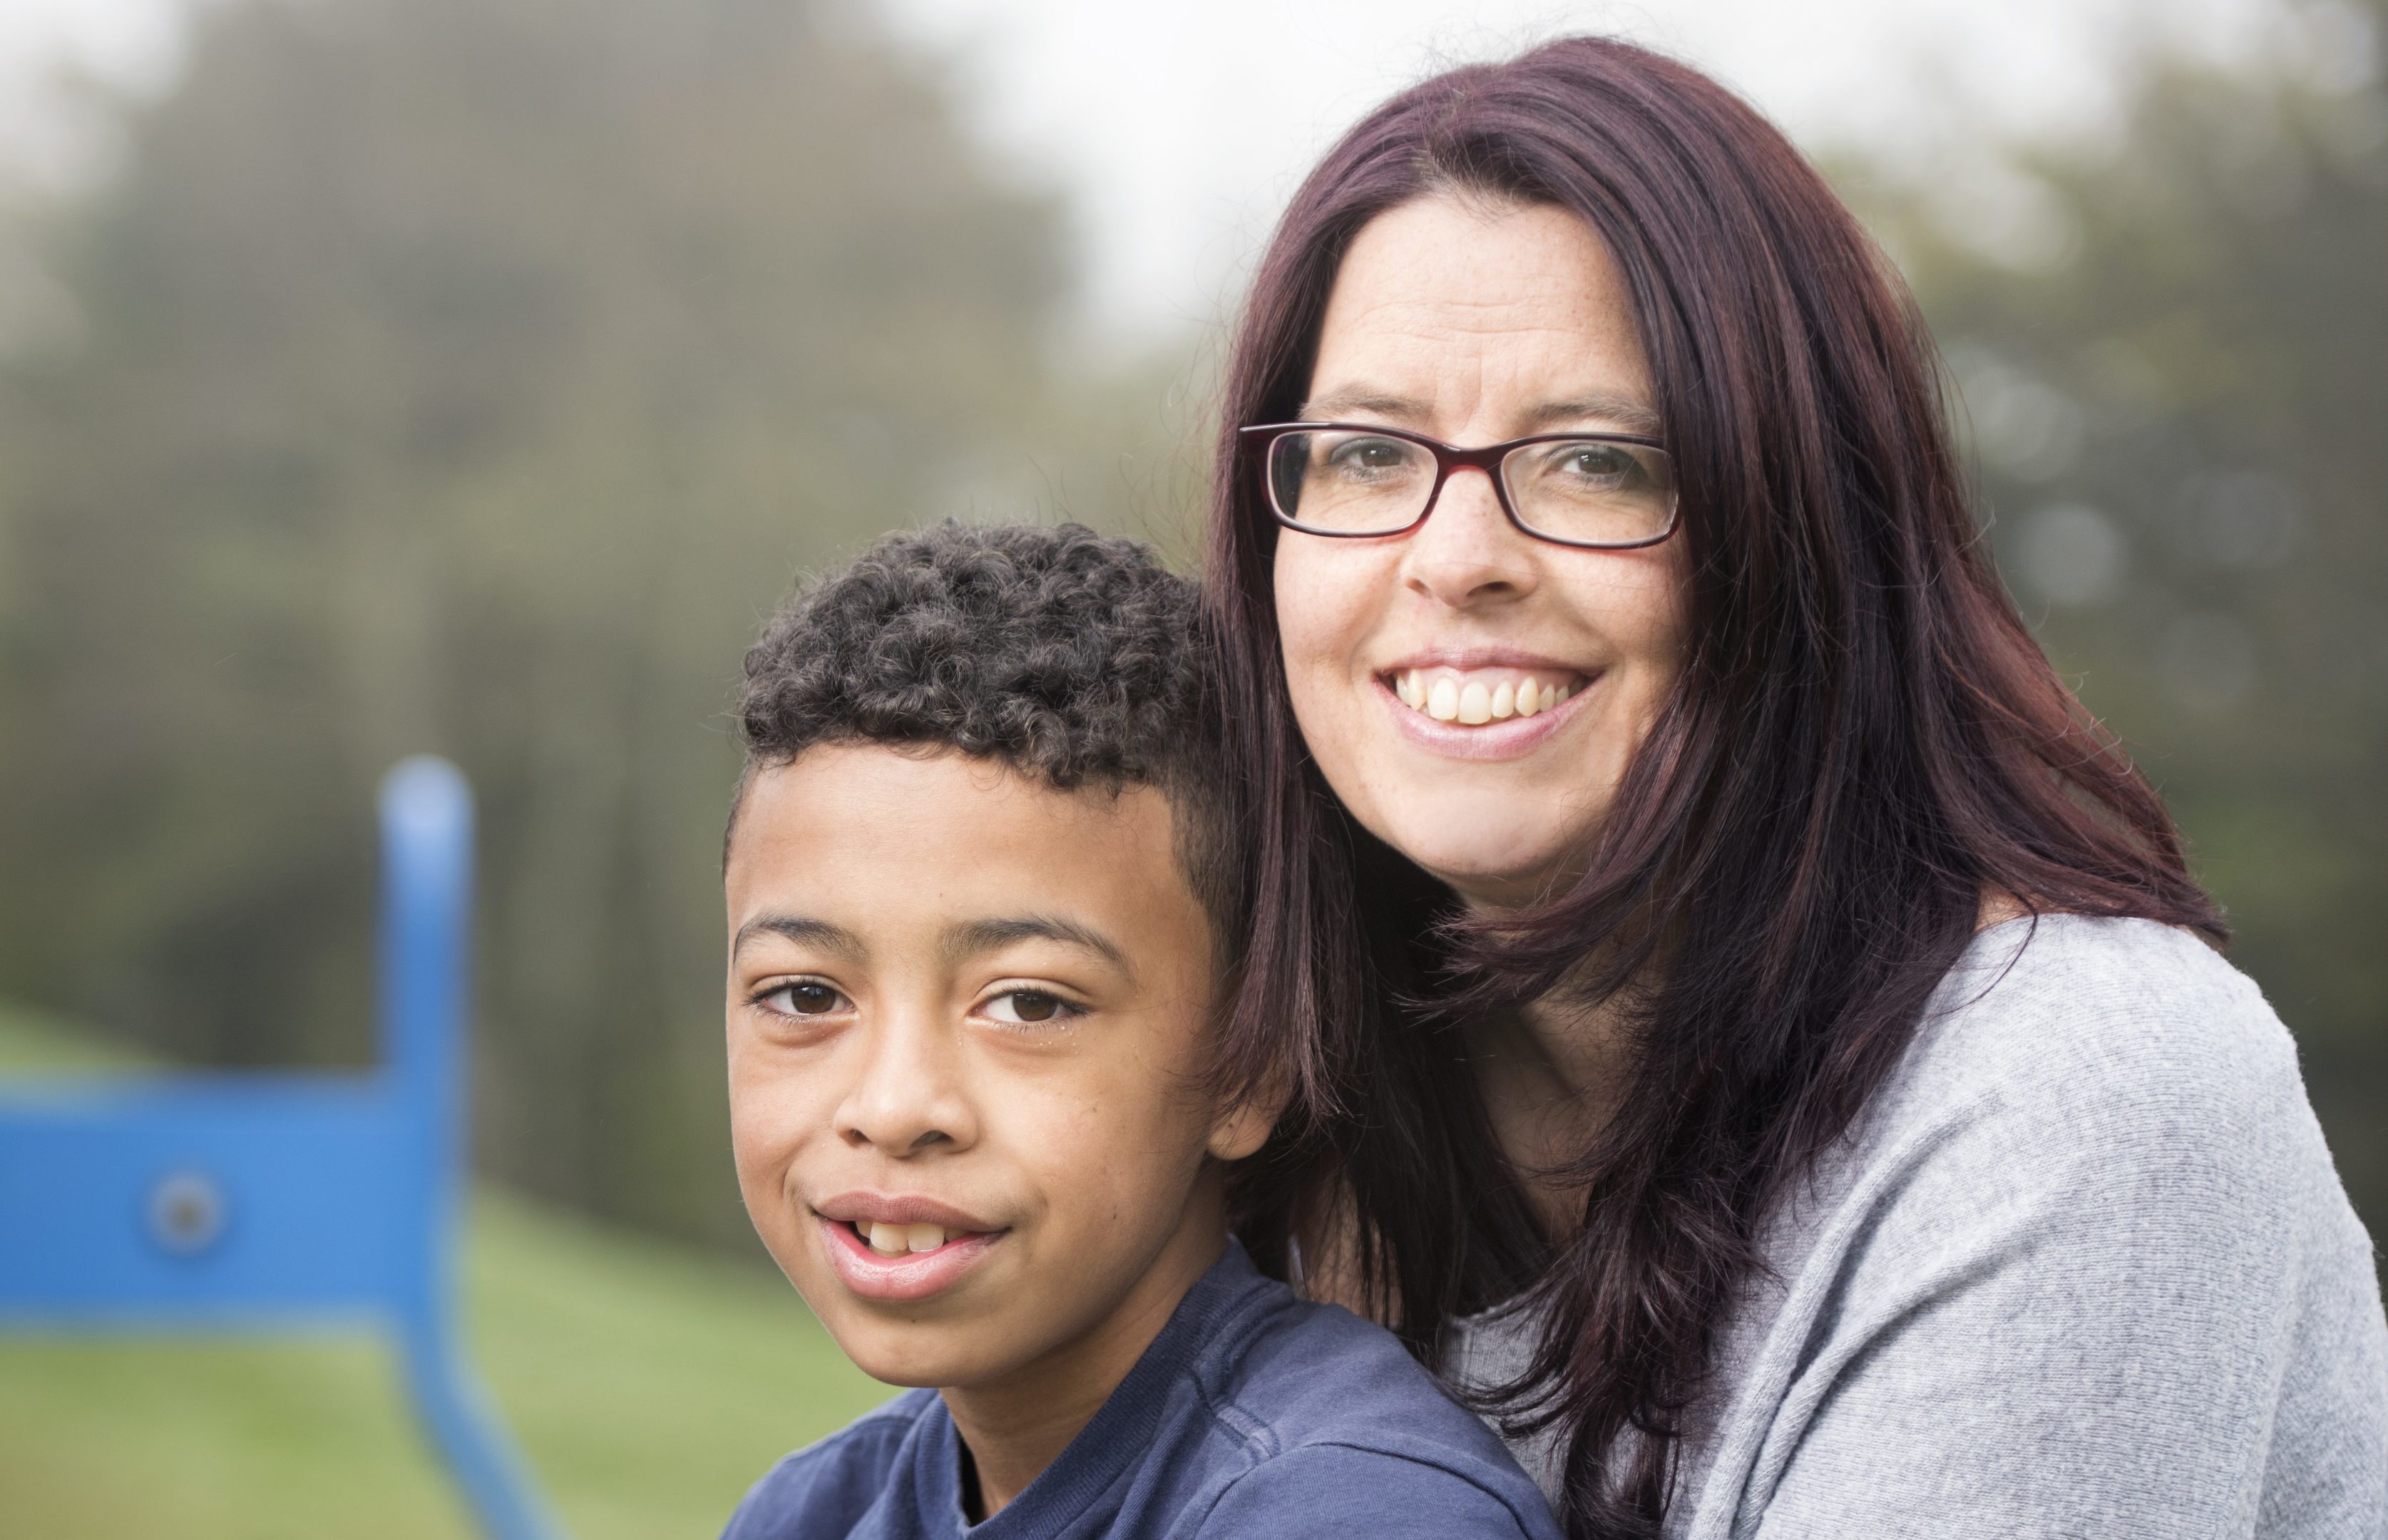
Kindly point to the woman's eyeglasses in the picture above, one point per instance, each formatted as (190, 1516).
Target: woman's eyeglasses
(1597, 492)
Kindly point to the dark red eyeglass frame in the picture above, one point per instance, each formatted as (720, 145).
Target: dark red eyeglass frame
(1261, 438)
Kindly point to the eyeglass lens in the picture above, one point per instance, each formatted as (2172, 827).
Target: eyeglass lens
(1592, 491)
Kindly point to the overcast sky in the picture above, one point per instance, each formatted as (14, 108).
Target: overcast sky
(1178, 127)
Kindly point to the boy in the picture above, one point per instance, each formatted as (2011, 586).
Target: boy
(983, 876)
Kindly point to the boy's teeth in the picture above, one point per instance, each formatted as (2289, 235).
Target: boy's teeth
(1443, 700)
(1505, 702)
(901, 1240)
(1529, 697)
(1475, 704)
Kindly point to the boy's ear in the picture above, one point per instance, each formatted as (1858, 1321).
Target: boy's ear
(1244, 1127)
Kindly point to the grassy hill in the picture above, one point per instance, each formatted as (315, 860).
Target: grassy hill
(649, 1385)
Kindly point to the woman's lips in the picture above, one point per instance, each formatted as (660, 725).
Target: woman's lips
(1509, 738)
(906, 1275)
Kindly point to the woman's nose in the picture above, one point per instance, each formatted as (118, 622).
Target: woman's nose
(1468, 554)
(909, 1095)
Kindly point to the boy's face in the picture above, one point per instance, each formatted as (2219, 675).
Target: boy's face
(966, 1015)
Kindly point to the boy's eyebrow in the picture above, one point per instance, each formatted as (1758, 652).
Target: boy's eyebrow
(986, 936)
(804, 931)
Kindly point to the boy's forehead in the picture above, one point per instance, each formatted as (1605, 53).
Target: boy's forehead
(897, 831)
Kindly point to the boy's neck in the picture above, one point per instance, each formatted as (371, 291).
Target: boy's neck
(1017, 1424)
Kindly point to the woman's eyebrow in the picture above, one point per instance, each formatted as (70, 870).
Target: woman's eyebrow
(1624, 412)
(985, 935)
(1363, 398)
(1628, 414)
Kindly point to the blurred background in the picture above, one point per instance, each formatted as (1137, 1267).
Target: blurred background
(472, 376)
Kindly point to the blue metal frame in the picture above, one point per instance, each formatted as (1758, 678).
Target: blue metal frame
(268, 1200)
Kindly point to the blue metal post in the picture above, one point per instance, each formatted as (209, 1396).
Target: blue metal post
(426, 822)
(272, 1198)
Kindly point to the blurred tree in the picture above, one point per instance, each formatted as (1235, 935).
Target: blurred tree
(2173, 351)
(472, 376)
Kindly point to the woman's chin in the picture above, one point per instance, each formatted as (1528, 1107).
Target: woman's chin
(1488, 864)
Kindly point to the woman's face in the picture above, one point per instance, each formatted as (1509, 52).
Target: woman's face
(1475, 323)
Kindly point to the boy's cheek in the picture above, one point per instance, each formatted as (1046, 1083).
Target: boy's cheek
(786, 1229)
(1107, 1171)
(767, 1143)
(1129, 1130)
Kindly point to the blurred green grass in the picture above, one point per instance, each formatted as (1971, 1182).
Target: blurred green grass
(649, 1383)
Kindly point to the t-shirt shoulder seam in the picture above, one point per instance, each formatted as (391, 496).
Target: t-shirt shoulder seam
(1377, 1452)
(1212, 1374)
(882, 1424)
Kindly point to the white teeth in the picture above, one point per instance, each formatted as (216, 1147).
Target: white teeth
(924, 1238)
(1473, 704)
(888, 1239)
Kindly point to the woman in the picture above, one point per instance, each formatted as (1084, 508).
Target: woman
(1782, 1061)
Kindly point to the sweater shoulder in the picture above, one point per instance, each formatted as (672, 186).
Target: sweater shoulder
(2090, 1026)
(2072, 1071)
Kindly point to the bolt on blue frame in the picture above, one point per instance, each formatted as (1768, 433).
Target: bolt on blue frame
(275, 1201)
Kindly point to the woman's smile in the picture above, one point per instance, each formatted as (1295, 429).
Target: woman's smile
(1459, 709)
(1473, 690)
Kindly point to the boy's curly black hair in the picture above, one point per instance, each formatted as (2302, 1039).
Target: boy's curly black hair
(1074, 658)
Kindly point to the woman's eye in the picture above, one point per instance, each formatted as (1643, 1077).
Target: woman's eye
(1598, 462)
(807, 997)
(1023, 1007)
(1369, 454)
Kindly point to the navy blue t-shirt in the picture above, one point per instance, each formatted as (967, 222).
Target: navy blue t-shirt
(1253, 1413)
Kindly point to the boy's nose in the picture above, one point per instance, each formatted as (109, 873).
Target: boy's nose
(909, 1098)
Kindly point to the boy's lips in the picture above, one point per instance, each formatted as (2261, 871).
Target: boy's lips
(906, 1275)
(901, 1246)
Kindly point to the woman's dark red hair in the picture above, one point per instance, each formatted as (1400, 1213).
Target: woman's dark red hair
(1864, 742)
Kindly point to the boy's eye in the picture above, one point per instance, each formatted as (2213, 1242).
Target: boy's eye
(804, 998)
(1022, 1007)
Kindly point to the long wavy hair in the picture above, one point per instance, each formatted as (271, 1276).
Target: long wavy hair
(1864, 741)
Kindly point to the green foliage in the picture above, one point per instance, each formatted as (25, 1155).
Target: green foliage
(472, 375)
(2179, 420)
